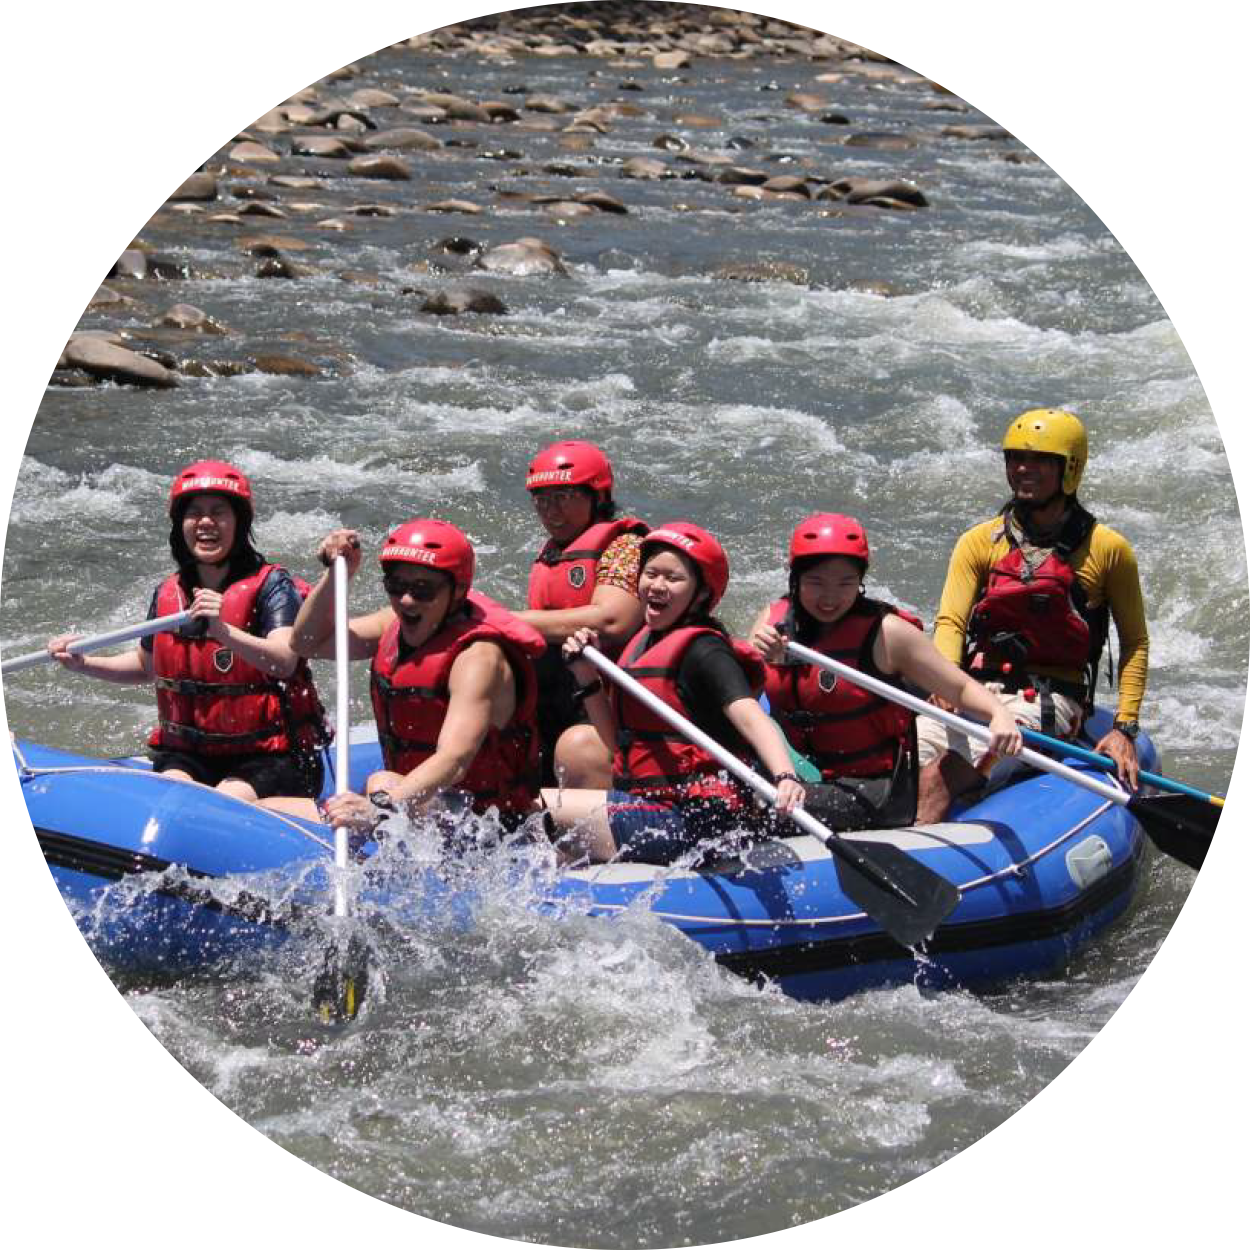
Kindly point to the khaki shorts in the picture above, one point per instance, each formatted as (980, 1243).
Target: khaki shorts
(935, 739)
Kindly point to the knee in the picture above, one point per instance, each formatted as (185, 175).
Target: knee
(582, 761)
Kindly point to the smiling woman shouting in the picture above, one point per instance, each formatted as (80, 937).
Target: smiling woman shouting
(237, 707)
(669, 795)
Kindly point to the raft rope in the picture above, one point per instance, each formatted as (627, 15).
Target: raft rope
(26, 770)
(1012, 870)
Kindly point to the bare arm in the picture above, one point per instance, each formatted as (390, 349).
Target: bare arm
(614, 614)
(901, 648)
(312, 634)
(130, 668)
(598, 705)
(483, 693)
(765, 738)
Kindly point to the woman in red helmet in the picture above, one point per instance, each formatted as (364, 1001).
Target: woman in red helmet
(669, 795)
(237, 707)
(864, 745)
(585, 577)
(452, 679)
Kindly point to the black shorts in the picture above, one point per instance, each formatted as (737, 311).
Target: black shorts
(294, 773)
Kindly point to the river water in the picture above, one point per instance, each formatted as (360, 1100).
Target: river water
(503, 1078)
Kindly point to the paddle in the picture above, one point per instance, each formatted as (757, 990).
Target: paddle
(904, 897)
(96, 642)
(340, 986)
(1108, 765)
(1179, 825)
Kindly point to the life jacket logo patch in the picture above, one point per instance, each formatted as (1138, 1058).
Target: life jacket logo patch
(223, 659)
(827, 681)
(577, 577)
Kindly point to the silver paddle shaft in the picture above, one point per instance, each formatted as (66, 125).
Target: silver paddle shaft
(97, 642)
(731, 763)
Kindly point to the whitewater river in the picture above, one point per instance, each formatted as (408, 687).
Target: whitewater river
(503, 1078)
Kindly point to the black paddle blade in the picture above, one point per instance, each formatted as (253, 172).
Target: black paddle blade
(340, 986)
(904, 897)
(1178, 824)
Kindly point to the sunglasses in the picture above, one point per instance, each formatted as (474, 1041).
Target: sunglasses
(555, 496)
(422, 591)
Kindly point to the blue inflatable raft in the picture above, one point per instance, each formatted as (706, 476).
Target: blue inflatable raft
(166, 876)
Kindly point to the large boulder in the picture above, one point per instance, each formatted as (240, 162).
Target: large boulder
(525, 258)
(457, 300)
(115, 364)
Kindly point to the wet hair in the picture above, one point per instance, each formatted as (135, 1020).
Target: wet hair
(243, 560)
(806, 626)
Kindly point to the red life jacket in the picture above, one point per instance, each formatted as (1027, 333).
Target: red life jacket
(210, 701)
(652, 758)
(411, 697)
(1027, 618)
(565, 577)
(845, 730)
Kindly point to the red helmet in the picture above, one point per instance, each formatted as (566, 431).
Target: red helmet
(570, 464)
(434, 544)
(829, 534)
(694, 542)
(210, 477)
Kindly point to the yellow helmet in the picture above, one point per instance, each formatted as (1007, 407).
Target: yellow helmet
(1055, 432)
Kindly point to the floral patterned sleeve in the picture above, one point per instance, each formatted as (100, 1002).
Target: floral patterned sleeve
(619, 564)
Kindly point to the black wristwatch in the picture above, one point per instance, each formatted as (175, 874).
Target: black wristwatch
(582, 693)
(1129, 728)
(383, 802)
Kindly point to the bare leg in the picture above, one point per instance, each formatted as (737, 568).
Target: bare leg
(941, 783)
(237, 788)
(582, 762)
(581, 820)
(292, 806)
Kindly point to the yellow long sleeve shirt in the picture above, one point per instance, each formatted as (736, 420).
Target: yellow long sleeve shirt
(1105, 566)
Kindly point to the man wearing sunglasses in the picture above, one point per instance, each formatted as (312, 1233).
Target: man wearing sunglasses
(585, 577)
(452, 679)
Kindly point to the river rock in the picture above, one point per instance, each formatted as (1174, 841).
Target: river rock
(258, 208)
(188, 317)
(426, 114)
(294, 182)
(372, 98)
(403, 138)
(115, 364)
(549, 104)
(671, 60)
(788, 184)
(390, 168)
(976, 133)
(455, 206)
(604, 202)
(252, 152)
(322, 146)
(132, 263)
(567, 210)
(645, 168)
(525, 258)
(806, 101)
(763, 271)
(862, 190)
(456, 107)
(199, 187)
(106, 297)
(285, 366)
(283, 267)
(456, 300)
(883, 141)
(741, 176)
